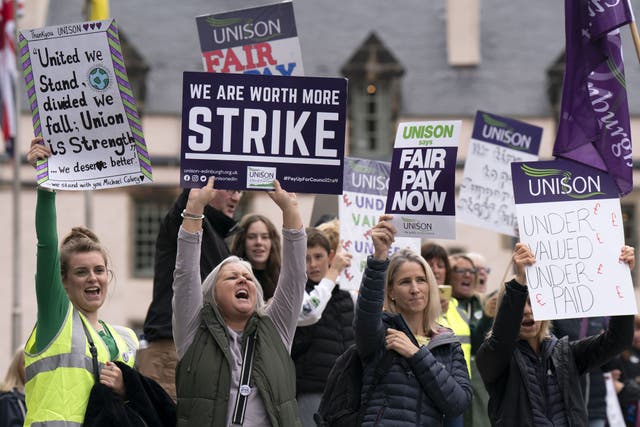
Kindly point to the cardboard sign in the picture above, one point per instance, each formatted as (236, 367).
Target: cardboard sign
(259, 40)
(366, 183)
(569, 216)
(486, 195)
(248, 130)
(422, 185)
(83, 107)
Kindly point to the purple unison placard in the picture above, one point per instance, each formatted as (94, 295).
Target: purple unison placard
(569, 216)
(422, 183)
(559, 181)
(506, 132)
(258, 40)
(486, 196)
(366, 176)
(365, 192)
(247, 130)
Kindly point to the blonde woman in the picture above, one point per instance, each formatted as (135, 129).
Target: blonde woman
(533, 378)
(427, 378)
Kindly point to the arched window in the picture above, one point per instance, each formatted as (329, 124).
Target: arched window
(374, 99)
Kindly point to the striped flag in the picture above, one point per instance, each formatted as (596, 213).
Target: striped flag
(594, 127)
(8, 74)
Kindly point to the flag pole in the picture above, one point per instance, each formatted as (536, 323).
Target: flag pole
(634, 30)
(635, 37)
(16, 314)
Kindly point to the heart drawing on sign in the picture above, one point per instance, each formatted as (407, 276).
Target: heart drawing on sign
(100, 165)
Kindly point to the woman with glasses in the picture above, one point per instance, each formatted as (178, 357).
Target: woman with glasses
(464, 281)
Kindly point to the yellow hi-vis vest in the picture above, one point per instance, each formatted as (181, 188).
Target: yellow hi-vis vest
(60, 376)
(454, 319)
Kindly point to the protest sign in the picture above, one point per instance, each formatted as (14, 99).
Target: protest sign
(422, 184)
(82, 105)
(247, 130)
(569, 216)
(486, 196)
(366, 183)
(259, 40)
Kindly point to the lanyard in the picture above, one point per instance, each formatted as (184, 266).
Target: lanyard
(94, 352)
(244, 388)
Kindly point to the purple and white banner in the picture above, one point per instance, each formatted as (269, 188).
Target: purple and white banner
(569, 215)
(486, 196)
(594, 126)
(366, 183)
(259, 40)
(422, 184)
(247, 130)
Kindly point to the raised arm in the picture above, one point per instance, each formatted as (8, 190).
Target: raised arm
(51, 297)
(287, 299)
(369, 329)
(495, 353)
(314, 302)
(187, 292)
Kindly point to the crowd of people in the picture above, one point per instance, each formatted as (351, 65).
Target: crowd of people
(247, 322)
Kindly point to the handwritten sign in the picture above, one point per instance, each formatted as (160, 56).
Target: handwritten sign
(247, 130)
(570, 217)
(486, 196)
(259, 40)
(82, 105)
(363, 200)
(422, 184)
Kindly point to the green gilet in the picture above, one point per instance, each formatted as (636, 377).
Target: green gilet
(203, 375)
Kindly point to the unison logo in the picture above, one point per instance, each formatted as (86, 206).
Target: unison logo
(500, 131)
(558, 182)
(414, 224)
(360, 168)
(428, 131)
(260, 178)
(233, 29)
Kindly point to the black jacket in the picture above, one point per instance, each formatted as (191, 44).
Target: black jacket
(592, 383)
(502, 368)
(147, 404)
(215, 228)
(316, 347)
(416, 391)
(12, 408)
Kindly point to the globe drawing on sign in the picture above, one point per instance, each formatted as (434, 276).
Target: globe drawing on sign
(99, 78)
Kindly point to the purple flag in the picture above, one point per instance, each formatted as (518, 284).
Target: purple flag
(594, 121)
